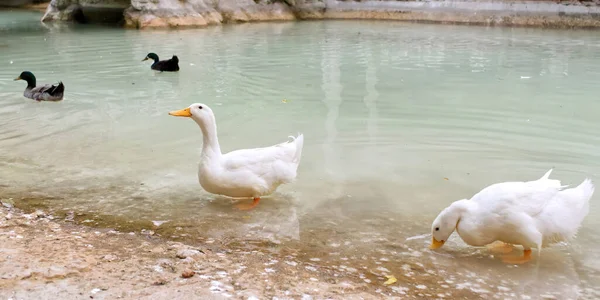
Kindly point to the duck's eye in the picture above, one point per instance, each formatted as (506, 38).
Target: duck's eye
(437, 229)
(199, 107)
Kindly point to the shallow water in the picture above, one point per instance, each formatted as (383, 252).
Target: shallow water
(399, 121)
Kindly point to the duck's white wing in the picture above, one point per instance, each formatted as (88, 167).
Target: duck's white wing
(528, 197)
(264, 160)
(249, 158)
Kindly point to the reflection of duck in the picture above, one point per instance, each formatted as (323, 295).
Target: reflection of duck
(169, 65)
(242, 173)
(532, 214)
(48, 92)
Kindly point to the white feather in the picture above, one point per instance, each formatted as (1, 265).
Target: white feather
(533, 214)
(246, 172)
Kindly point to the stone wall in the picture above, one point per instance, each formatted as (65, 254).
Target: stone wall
(83, 11)
(194, 13)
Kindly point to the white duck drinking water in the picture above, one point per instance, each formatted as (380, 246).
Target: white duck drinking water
(533, 214)
(244, 173)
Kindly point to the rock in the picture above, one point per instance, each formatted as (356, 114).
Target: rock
(8, 203)
(39, 213)
(166, 264)
(188, 260)
(185, 253)
(109, 257)
(169, 13)
(86, 11)
(160, 281)
(187, 274)
(194, 13)
(157, 250)
(147, 232)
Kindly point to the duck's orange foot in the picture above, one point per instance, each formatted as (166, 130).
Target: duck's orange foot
(517, 260)
(246, 206)
(500, 247)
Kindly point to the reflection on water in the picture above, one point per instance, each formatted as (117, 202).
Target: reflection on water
(399, 119)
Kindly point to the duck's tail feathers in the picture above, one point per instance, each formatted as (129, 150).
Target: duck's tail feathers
(575, 207)
(299, 141)
(57, 90)
(547, 175)
(175, 58)
(546, 181)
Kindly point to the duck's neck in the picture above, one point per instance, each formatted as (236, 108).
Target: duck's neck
(210, 141)
(458, 209)
(30, 83)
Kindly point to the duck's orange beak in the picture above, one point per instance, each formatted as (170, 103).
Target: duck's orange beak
(18, 78)
(181, 113)
(435, 244)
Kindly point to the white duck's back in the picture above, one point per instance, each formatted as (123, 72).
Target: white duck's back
(253, 172)
(557, 210)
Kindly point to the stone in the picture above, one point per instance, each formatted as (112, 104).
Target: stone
(187, 274)
(8, 203)
(39, 214)
(185, 253)
(109, 257)
(197, 13)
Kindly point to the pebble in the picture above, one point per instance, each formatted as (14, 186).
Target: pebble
(160, 281)
(110, 257)
(166, 264)
(185, 253)
(7, 203)
(187, 274)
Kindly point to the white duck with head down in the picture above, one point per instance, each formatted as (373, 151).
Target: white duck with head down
(533, 214)
(244, 173)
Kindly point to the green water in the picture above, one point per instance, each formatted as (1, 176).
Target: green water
(399, 121)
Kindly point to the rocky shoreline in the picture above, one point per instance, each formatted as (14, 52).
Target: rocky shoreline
(143, 14)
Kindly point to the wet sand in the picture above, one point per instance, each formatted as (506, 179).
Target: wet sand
(44, 256)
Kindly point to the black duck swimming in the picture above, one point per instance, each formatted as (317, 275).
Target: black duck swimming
(170, 65)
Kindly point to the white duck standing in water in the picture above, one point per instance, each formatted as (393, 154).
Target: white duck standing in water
(244, 173)
(533, 214)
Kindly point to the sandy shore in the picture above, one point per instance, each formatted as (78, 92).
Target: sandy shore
(43, 257)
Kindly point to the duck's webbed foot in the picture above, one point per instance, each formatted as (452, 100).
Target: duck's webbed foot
(246, 206)
(509, 259)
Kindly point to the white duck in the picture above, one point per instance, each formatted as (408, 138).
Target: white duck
(533, 214)
(245, 173)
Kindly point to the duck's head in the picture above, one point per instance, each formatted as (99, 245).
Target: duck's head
(444, 225)
(27, 76)
(151, 56)
(199, 112)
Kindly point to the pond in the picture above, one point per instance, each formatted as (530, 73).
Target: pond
(399, 120)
